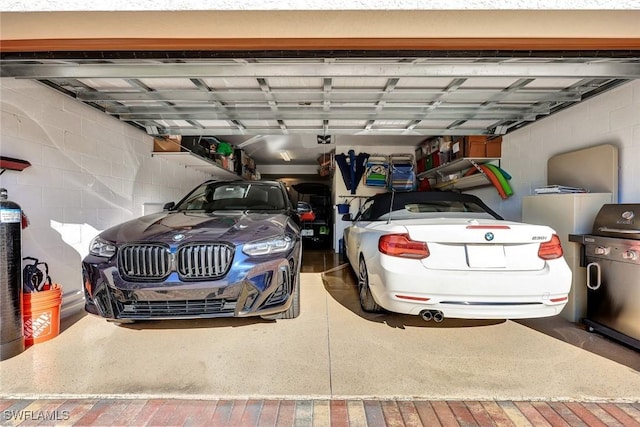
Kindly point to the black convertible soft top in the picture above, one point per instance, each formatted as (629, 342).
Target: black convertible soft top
(381, 202)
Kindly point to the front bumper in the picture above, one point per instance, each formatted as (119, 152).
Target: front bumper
(256, 289)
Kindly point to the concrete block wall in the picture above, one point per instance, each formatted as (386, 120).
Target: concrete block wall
(362, 191)
(89, 172)
(610, 118)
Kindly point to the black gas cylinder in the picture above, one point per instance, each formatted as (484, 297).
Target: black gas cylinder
(11, 328)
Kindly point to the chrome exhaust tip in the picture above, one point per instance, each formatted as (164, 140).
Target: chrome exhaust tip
(426, 315)
(438, 316)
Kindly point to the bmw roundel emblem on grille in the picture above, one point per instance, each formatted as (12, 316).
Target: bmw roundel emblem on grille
(489, 237)
(178, 237)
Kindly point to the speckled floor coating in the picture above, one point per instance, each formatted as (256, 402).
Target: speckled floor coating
(333, 365)
(332, 350)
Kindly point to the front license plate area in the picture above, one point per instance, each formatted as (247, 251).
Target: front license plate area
(306, 232)
(486, 256)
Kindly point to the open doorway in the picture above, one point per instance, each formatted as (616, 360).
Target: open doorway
(316, 213)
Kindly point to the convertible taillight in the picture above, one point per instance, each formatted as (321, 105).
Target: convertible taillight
(551, 249)
(401, 245)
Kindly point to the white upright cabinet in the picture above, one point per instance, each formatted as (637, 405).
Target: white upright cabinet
(568, 214)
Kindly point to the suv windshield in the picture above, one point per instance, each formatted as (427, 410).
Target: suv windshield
(211, 197)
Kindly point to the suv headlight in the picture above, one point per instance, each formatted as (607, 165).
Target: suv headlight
(272, 245)
(102, 248)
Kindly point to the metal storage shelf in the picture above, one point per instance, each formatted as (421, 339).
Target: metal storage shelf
(463, 183)
(455, 166)
(190, 160)
(11, 164)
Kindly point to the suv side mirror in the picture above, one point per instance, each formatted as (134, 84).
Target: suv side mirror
(347, 217)
(169, 206)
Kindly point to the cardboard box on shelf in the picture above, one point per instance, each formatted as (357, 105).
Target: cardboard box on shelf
(423, 149)
(457, 148)
(475, 146)
(434, 145)
(494, 147)
(166, 144)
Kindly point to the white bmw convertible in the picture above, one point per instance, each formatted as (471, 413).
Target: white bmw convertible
(444, 254)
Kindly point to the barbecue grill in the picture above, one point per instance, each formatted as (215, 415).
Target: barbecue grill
(611, 255)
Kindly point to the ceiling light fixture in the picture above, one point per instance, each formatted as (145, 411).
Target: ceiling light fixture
(285, 156)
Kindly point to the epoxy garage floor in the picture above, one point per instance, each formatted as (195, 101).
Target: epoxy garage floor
(332, 351)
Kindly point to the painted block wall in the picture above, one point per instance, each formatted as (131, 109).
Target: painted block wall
(610, 118)
(362, 191)
(89, 172)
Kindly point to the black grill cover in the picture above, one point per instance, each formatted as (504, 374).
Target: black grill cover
(618, 220)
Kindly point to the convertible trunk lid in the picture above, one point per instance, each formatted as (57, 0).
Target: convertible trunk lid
(481, 244)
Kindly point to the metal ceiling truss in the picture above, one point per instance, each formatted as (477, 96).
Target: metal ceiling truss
(301, 68)
(401, 96)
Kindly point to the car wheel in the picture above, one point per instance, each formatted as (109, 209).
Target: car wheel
(367, 302)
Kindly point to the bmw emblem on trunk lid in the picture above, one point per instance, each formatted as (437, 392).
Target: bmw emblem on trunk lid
(489, 237)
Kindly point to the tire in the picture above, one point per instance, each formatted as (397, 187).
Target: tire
(367, 302)
(343, 249)
(294, 309)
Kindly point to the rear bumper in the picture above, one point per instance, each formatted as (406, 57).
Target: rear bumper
(405, 286)
(475, 309)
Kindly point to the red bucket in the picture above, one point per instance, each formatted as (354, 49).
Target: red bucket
(41, 315)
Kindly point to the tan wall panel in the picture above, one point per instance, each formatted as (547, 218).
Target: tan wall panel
(321, 24)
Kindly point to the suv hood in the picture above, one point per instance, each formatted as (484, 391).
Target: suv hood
(231, 226)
